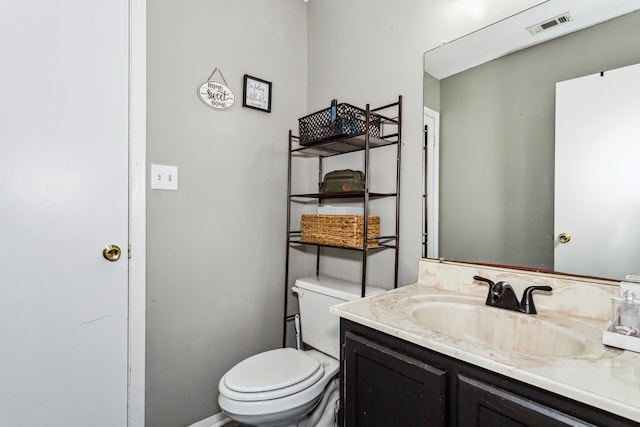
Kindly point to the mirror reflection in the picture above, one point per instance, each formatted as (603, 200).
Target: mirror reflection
(491, 175)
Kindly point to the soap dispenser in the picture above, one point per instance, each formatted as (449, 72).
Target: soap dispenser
(629, 310)
(623, 330)
(624, 312)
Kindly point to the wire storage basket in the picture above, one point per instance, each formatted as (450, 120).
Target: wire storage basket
(349, 120)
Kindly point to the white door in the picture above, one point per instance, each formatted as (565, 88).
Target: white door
(63, 198)
(597, 190)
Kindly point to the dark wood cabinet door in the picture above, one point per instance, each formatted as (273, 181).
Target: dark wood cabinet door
(485, 405)
(387, 388)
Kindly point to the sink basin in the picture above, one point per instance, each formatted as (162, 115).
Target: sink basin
(470, 320)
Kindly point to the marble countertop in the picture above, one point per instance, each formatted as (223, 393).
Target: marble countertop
(601, 376)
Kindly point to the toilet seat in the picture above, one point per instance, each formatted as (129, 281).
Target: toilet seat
(289, 407)
(271, 375)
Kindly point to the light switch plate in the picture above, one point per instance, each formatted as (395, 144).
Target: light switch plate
(164, 177)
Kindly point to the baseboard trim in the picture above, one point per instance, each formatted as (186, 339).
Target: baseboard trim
(217, 420)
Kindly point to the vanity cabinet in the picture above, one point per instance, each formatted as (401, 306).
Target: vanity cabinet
(386, 381)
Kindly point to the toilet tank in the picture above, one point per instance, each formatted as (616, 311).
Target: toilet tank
(320, 328)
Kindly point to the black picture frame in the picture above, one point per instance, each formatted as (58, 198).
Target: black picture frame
(256, 94)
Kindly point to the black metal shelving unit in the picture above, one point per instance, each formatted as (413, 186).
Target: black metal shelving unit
(391, 114)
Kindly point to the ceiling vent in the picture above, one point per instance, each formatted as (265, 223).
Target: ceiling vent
(550, 23)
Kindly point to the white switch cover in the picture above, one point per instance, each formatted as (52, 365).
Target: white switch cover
(164, 177)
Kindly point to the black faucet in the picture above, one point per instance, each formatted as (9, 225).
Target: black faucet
(502, 295)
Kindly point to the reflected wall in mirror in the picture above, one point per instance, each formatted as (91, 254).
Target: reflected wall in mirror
(497, 140)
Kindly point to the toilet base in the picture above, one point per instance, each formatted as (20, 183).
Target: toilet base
(326, 413)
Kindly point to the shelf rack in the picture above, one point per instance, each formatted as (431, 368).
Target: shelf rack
(342, 145)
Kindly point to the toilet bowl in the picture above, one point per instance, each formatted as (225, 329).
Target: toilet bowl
(289, 387)
(281, 387)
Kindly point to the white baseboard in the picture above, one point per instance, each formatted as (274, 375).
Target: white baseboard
(217, 420)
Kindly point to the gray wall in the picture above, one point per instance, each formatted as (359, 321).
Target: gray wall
(497, 144)
(345, 63)
(216, 247)
(371, 52)
(431, 92)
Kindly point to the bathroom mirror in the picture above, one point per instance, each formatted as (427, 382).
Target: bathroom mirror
(491, 98)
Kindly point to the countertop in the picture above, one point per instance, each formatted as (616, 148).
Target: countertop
(601, 376)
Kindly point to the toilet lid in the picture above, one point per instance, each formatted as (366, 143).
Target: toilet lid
(273, 374)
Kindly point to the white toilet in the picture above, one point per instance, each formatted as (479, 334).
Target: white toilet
(289, 387)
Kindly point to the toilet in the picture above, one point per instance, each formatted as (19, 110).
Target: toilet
(289, 387)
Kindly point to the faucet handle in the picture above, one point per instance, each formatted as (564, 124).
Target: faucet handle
(482, 279)
(527, 304)
(490, 294)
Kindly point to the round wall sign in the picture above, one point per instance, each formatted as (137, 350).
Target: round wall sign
(216, 95)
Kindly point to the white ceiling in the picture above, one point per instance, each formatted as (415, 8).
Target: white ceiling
(511, 35)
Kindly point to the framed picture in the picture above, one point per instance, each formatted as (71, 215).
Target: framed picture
(256, 94)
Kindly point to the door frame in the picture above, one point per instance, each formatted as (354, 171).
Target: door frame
(431, 183)
(137, 213)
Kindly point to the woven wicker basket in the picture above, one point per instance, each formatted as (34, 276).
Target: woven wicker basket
(339, 230)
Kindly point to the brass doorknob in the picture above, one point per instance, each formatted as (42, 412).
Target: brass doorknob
(111, 253)
(564, 237)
